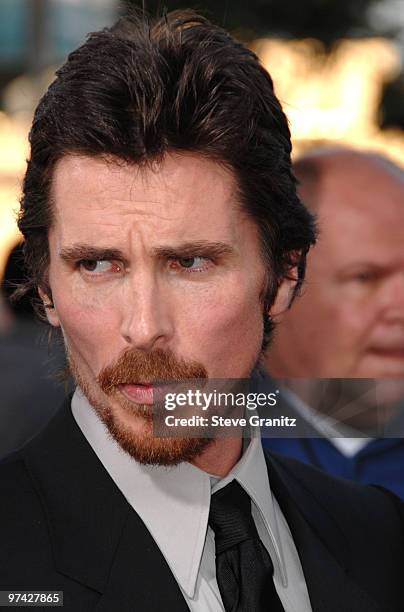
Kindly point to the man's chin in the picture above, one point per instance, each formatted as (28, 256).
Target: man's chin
(149, 450)
(131, 426)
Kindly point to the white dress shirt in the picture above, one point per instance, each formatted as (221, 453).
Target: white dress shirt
(173, 503)
(343, 437)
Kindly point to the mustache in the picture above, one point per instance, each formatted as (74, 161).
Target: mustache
(138, 367)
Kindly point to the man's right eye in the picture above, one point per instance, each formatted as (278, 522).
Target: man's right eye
(366, 276)
(100, 266)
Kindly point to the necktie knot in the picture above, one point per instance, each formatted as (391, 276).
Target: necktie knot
(244, 570)
(230, 517)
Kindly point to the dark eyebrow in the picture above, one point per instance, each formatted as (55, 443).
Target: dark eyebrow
(84, 251)
(201, 248)
(364, 264)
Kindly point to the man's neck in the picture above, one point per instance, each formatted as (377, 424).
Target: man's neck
(219, 458)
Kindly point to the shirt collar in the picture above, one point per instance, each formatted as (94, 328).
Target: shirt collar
(173, 502)
(345, 438)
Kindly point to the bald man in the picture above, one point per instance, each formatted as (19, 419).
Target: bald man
(349, 322)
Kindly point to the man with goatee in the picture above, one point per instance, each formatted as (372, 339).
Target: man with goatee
(163, 231)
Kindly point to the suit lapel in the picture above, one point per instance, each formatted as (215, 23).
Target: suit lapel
(322, 547)
(97, 538)
(140, 577)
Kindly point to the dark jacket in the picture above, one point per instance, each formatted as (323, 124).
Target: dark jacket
(64, 525)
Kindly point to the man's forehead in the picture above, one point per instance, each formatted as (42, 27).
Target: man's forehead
(355, 228)
(366, 228)
(174, 176)
(86, 185)
(185, 196)
(361, 183)
(360, 204)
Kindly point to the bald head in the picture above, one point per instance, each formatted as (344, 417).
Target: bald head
(339, 165)
(349, 322)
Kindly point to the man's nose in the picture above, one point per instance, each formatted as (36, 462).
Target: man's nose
(392, 299)
(147, 321)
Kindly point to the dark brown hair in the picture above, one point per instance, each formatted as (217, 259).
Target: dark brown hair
(142, 88)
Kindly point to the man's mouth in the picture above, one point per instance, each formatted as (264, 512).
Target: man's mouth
(138, 393)
(392, 352)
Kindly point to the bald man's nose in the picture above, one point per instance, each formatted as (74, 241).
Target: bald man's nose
(392, 299)
(147, 322)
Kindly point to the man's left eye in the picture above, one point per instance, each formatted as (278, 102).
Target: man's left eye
(192, 263)
(99, 266)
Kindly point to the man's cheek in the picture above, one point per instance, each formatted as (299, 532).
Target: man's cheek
(355, 324)
(80, 337)
(85, 331)
(96, 297)
(229, 323)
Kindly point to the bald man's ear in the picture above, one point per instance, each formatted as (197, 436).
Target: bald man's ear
(285, 294)
(49, 307)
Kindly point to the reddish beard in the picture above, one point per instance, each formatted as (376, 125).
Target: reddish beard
(136, 367)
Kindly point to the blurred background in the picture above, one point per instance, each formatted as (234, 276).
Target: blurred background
(337, 67)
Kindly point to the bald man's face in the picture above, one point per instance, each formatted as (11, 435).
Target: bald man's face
(350, 320)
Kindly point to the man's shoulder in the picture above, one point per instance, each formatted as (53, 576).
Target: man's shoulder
(340, 525)
(16, 477)
(43, 507)
(23, 527)
(18, 489)
(354, 506)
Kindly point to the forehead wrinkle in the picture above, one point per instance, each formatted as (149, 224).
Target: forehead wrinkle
(228, 190)
(155, 181)
(167, 208)
(104, 201)
(125, 211)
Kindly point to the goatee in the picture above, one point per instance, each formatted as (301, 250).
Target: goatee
(104, 395)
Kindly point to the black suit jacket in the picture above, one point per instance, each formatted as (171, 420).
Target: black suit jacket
(64, 525)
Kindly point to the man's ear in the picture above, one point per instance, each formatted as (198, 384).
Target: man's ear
(284, 296)
(49, 307)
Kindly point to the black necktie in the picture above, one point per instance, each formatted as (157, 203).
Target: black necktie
(244, 569)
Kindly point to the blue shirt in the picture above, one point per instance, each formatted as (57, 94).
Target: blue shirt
(380, 462)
